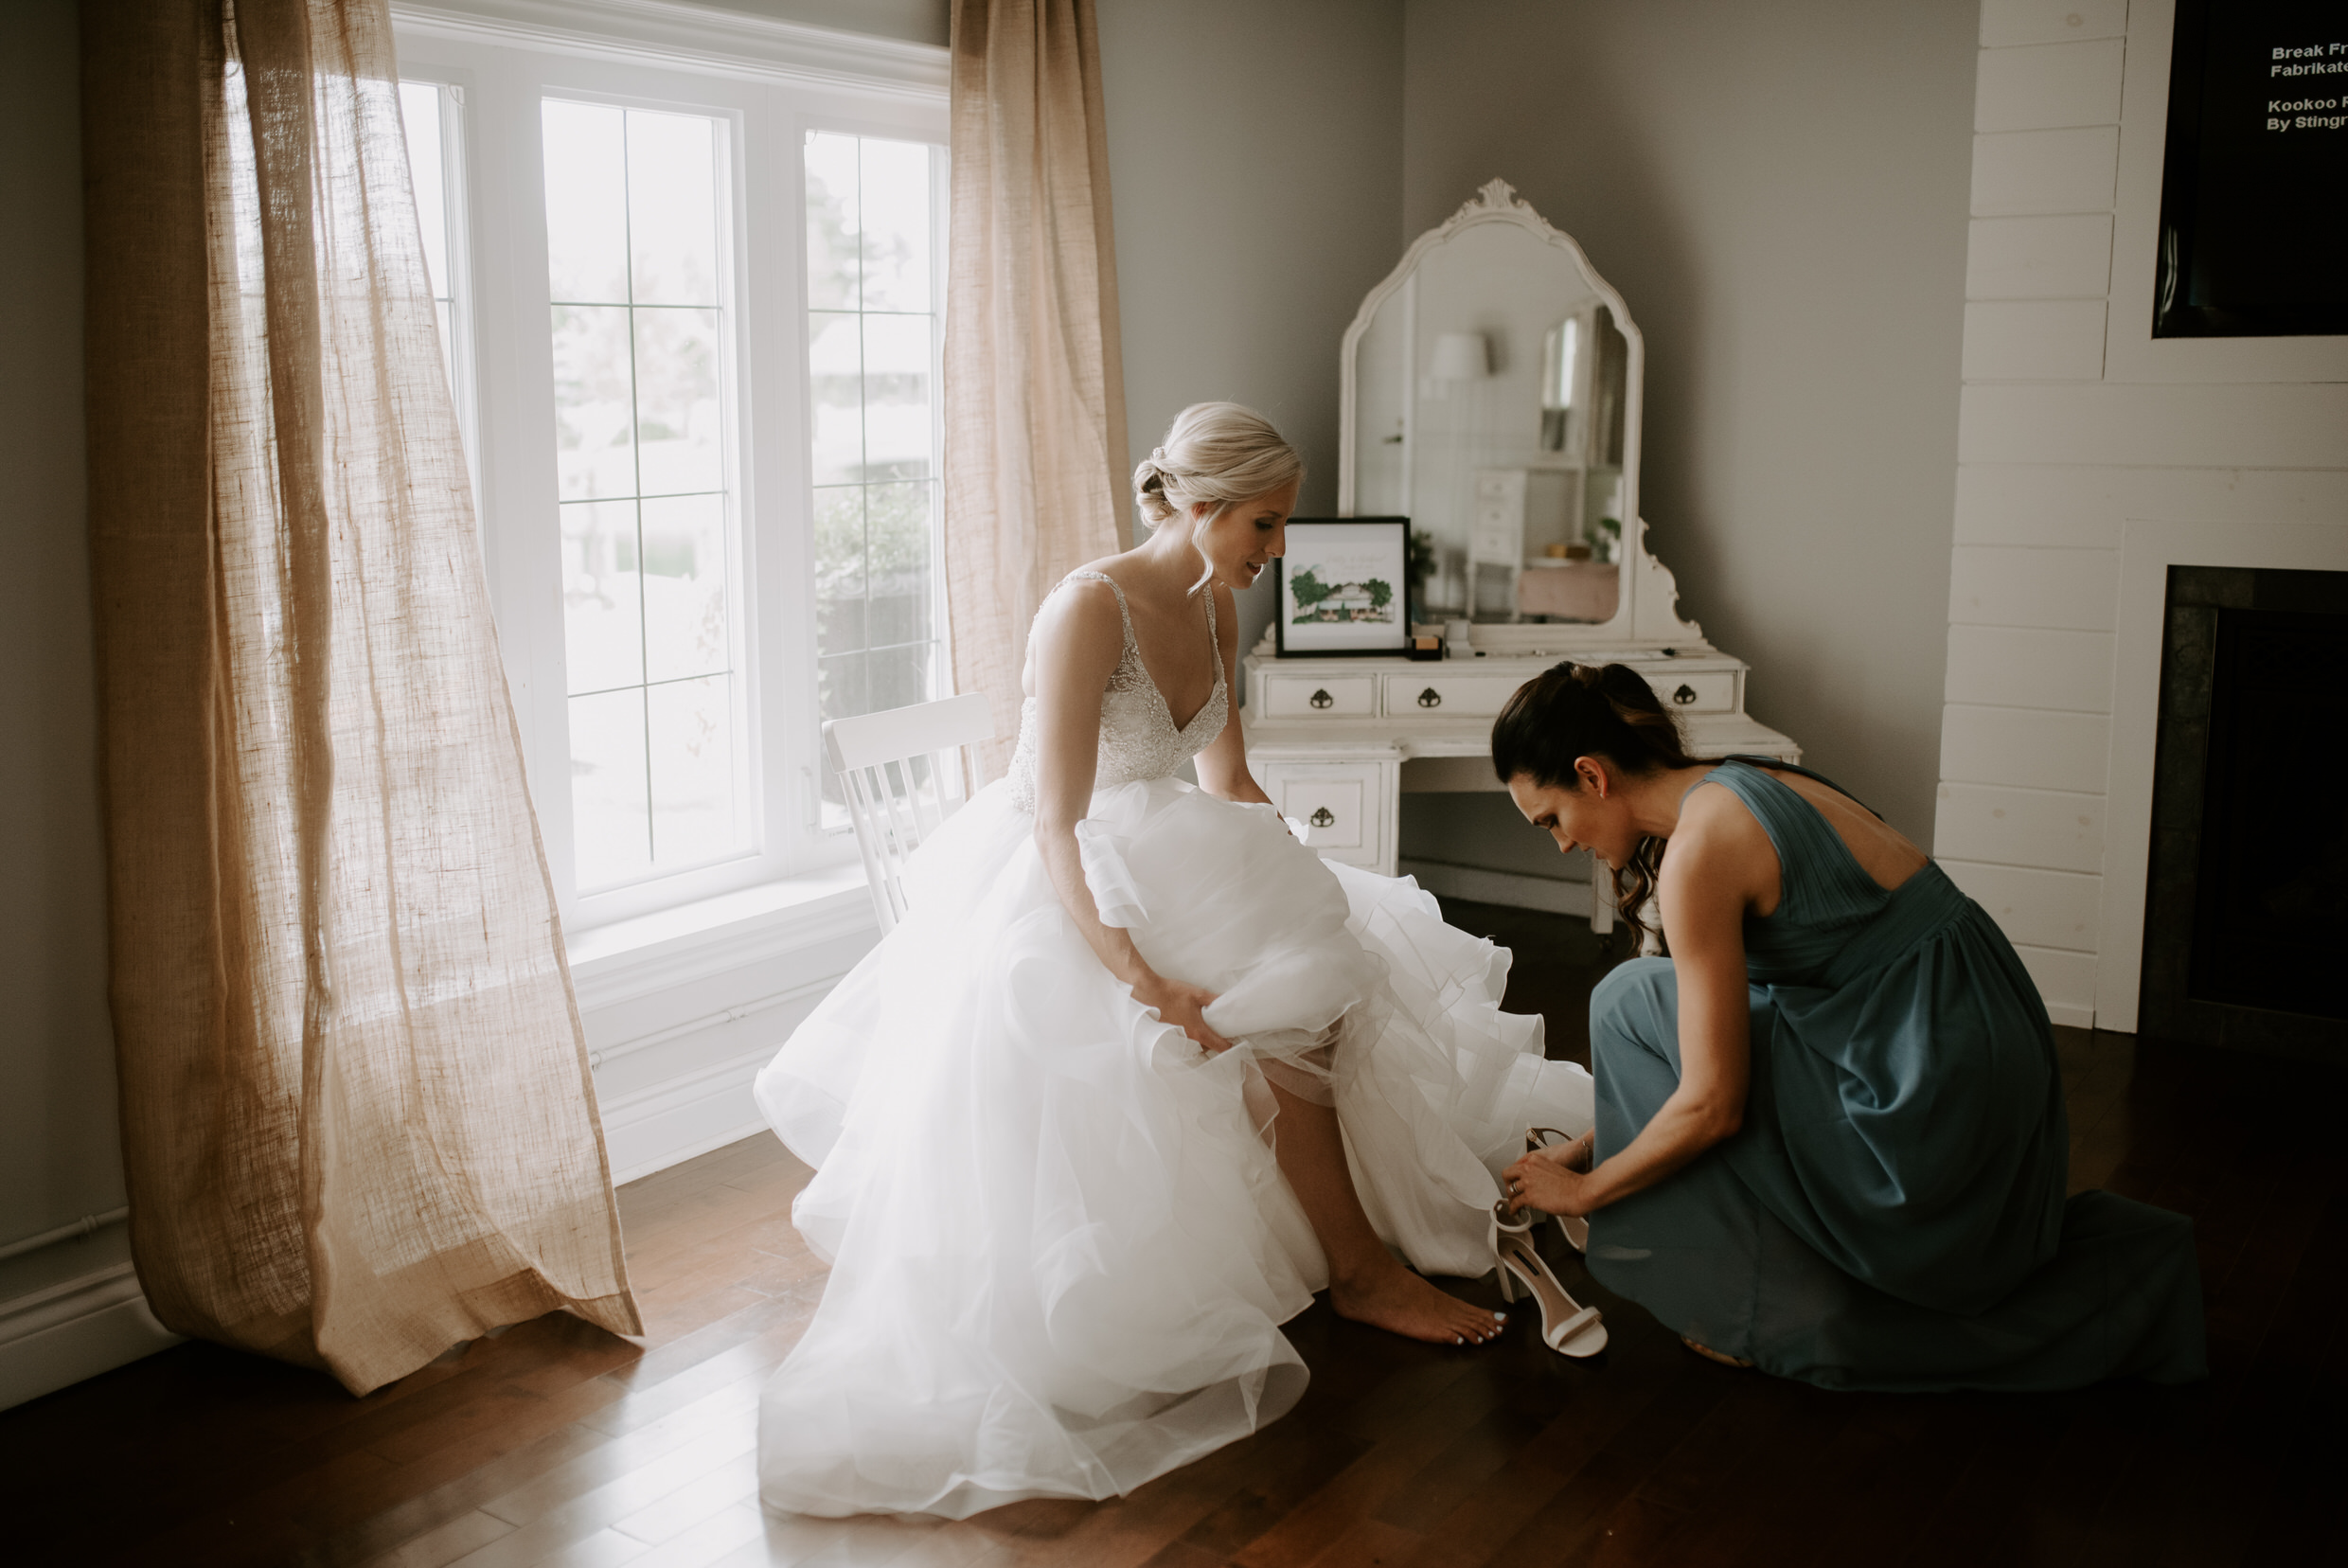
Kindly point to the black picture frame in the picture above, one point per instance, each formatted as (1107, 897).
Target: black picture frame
(1345, 563)
(2253, 240)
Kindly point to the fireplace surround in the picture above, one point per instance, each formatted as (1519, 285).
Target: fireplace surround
(2245, 909)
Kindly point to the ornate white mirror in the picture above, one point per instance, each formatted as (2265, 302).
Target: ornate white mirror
(1492, 395)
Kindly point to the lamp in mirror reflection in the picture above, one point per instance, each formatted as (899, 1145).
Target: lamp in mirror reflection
(1460, 357)
(1459, 362)
(1560, 356)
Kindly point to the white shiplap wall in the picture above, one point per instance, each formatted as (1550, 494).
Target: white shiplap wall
(2075, 426)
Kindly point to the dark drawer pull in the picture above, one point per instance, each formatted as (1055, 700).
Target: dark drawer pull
(1431, 697)
(1323, 818)
(1322, 698)
(1686, 695)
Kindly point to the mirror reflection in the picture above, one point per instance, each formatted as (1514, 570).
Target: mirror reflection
(1492, 391)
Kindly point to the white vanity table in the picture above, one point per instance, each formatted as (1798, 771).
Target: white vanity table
(1336, 740)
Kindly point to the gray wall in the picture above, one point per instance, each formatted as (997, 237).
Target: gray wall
(59, 1157)
(1780, 192)
(1255, 171)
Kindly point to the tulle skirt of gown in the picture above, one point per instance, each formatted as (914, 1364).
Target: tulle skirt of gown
(1061, 1246)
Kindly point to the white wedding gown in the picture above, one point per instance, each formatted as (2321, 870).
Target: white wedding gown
(1062, 1247)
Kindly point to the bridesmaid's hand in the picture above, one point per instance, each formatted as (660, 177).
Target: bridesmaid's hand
(1578, 1155)
(1542, 1180)
(1184, 1006)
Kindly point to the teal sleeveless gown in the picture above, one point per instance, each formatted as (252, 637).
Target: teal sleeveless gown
(1891, 1214)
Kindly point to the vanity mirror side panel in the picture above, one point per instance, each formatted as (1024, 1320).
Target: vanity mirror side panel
(1383, 370)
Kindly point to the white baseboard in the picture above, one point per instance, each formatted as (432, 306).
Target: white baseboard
(1513, 889)
(671, 1123)
(2070, 1016)
(73, 1331)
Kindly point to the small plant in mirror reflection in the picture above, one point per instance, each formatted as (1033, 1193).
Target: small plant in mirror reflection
(1609, 540)
(1420, 566)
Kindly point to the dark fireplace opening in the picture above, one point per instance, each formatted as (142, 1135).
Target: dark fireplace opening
(2246, 915)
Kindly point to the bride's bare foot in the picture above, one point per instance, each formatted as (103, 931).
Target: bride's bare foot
(1394, 1299)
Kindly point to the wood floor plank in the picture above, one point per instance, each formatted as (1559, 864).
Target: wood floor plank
(427, 1506)
(722, 1417)
(787, 1543)
(1349, 1497)
(1632, 1532)
(1578, 1511)
(1272, 1491)
(1928, 1445)
(445, 1542)
(1770, 1486)
(764, 1345)
(1367, 1541)
(545, 1530)
(667, 1358)
(707, 1495)
(1481, 1527)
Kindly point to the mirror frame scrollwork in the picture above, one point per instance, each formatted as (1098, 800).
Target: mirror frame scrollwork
(1647, 607)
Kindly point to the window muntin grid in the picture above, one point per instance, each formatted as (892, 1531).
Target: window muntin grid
(660, 742)
(873, 225)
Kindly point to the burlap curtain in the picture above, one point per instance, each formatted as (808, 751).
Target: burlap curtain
(1036, 476)
(356, 1110)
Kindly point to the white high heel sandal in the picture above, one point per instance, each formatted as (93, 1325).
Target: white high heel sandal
(1568, 1328)
(1576, 1231)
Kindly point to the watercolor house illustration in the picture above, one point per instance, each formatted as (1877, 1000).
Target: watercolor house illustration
(1319, 603)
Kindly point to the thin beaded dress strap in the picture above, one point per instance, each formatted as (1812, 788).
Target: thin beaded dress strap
(1214, 642)
(1124, 613)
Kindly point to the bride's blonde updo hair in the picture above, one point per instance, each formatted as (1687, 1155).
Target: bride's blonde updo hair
(1217, 454)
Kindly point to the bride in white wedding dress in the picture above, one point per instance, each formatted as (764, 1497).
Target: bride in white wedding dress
(1137, 1077)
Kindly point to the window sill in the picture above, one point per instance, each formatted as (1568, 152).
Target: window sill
(635, 957)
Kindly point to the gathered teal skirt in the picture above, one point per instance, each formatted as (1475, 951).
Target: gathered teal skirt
(1891, 1214)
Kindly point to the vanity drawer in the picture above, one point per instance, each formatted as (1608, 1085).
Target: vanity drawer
(1447, 696)
(1338, 803)
(1710, 691)
(1307, 697)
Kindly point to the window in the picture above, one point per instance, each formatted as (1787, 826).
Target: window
(430, 111)
(873, 347)
(706, 334)
(636, 226)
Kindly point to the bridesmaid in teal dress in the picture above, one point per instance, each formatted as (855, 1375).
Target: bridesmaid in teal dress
(1830, 1137)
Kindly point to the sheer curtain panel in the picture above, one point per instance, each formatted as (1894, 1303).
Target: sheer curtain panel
(1036, 473)
(357, 1117)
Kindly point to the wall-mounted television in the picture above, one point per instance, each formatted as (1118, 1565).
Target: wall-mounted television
(2255, 185)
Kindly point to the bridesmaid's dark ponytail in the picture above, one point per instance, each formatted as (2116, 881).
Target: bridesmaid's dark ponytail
(1570, 711)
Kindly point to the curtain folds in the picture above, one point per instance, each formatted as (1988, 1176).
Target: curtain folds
(1036, 472)
(358, 1122)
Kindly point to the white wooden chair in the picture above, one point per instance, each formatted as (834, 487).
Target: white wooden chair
(901, 772)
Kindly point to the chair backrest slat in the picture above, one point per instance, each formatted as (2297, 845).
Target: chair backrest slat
(902, 774)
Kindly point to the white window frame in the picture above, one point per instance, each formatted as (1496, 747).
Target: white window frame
(836, 829)
(771, 82)
(455, 217)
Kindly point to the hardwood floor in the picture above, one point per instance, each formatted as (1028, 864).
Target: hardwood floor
(553, 1442)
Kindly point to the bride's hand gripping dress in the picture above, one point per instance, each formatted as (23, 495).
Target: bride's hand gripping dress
(1061, 1245)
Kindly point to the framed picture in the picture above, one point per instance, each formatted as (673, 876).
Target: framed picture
(1343, 587)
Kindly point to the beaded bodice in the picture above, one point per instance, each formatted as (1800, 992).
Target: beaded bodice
(1138, 739)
